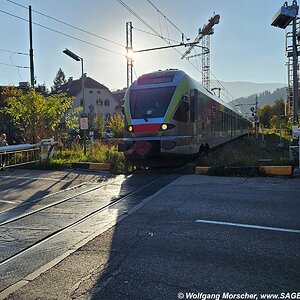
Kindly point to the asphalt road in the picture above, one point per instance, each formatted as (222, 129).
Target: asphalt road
(61, 212)
(204, 235)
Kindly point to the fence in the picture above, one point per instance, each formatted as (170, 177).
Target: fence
(16, 155)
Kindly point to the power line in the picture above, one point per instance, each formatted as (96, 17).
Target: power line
(15, 52)
(16, 66)
(70, 25)
(64, 34)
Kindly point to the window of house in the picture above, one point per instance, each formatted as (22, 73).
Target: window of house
(91, 92)
(107, 102)
(98, 92)
(81, 102)
(107, 116)
(99, 102)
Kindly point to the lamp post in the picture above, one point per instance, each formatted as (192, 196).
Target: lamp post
(83, 119)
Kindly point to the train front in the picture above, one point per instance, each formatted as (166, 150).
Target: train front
(148, 134)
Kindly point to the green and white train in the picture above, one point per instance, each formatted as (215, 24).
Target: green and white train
(168, 115)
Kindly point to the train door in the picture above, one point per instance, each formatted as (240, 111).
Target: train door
(193, 111)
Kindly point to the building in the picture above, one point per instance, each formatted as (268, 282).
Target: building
(119, 96)
(97, 97)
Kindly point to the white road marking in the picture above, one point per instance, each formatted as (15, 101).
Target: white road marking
(248, 226)
(7, 201)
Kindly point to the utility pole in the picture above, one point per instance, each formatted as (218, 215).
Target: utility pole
(31, 49)
(129, 53)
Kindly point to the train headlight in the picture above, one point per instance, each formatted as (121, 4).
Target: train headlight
(130, 128)
(164, 127)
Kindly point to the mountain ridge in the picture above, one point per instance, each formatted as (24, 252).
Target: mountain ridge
(240, 89)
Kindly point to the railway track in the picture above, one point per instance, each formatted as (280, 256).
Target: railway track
(45, 228)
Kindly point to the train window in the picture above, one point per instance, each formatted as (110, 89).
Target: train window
(182, 113)
(150, 103)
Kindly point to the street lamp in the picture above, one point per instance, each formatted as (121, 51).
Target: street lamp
(83, 119)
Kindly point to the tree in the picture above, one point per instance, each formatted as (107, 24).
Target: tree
(265, 114)
(98, 124)
(59, 80)
(41, 88)
(37, 116)
(116, 125)
(278, 108)
(275, 121)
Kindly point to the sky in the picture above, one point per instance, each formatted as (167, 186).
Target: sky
(244, 46)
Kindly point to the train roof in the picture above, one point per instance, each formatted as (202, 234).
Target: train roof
(172, 77)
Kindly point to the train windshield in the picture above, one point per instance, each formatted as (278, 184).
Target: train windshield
(150, 103)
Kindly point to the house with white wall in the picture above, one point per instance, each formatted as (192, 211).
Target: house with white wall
(98, 99)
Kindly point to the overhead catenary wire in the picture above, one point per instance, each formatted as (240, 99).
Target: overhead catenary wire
(69, 25)
(153, 34)
(64, 34)
(165, 39)
(142, 20)
(152, 29)
(166, 18)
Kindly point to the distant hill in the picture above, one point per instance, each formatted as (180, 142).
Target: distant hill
(244, 89)
(266, 97)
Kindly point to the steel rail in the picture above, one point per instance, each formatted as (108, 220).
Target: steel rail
(61, 230)
(49, 205)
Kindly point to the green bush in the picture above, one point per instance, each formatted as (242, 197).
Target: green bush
(100, 153)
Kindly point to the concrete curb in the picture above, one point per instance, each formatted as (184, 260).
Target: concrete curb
(246, 171)
(91, 166)
(277, 170)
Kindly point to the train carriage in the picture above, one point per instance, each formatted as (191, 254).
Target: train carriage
(169, 115)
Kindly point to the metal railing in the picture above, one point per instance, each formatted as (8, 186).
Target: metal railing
(16, 155)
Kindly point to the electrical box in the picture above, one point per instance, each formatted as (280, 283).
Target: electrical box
(296, 132)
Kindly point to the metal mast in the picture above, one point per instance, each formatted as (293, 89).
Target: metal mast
(204, 35)
(206, 62)
(129, 53)
(287, 15)
(292, 53)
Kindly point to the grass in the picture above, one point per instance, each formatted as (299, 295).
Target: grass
(100, 152)
(247, 151)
